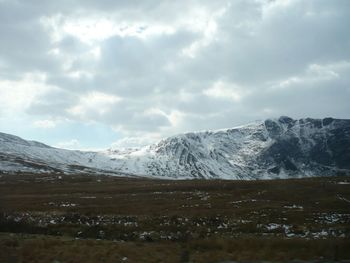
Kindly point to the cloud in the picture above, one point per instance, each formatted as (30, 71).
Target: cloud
(93, 104)
(16, 96)
(225, 91)
(147, 70)
(316, 74)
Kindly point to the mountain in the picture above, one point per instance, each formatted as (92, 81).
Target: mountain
(274, 148)
(18, 155)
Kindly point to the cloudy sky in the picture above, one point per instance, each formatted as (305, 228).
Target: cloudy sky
(87, 74)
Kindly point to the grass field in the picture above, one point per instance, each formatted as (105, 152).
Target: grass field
(52, 218)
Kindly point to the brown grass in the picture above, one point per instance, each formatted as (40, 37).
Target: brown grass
(19, 248)
(153, 220)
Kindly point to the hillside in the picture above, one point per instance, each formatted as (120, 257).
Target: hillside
(274, 148)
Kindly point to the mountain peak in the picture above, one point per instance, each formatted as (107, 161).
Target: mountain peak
(8, 138)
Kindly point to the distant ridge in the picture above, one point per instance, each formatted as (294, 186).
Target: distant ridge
(274, 148)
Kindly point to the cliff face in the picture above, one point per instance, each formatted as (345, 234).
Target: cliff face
(309, 146)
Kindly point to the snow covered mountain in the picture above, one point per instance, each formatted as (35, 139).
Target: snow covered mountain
(18, 155)
(275, 148)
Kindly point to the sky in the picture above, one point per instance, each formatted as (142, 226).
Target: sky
(94, 74)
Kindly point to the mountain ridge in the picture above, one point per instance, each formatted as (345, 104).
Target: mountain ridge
(274, 148)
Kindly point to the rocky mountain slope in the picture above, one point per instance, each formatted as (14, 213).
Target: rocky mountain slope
(274, 148)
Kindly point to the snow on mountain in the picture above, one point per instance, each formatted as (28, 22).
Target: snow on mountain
(222, 154)
(275, 148)
(18, 155)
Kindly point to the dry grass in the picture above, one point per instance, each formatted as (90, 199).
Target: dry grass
(172, 221)
(19, 248)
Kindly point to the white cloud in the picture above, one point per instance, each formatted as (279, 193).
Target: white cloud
(93, 103)
(91, 28)
(270, 8)
(79, 74)
(204, 22)
(315, 73)
(225, 91)
(17, 95)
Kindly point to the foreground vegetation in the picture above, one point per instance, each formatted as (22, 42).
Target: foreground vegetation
(61, 218)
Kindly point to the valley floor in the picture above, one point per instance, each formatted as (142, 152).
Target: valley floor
(61, 218)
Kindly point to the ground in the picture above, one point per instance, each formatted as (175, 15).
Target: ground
(80, 218)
